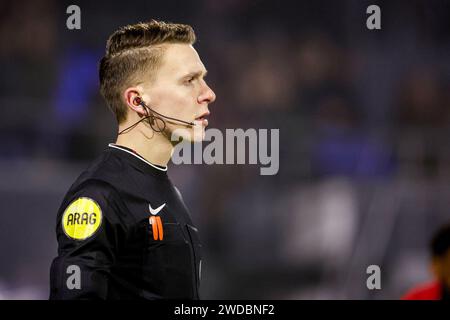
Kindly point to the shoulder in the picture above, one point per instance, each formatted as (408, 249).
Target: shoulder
(92, 195)
(106, 175)
(93, 187)
(106, 167)
(90, 210)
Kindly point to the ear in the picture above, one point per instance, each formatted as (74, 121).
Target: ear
(131, 96)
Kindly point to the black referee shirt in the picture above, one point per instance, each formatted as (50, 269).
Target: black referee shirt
(124, 232)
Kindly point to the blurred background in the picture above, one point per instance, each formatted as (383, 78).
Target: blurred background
(364, 151)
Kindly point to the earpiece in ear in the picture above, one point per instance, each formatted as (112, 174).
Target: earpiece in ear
(137, 101)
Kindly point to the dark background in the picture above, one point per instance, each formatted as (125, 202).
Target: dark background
(363, 118)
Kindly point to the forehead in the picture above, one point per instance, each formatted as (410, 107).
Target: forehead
(180, 59)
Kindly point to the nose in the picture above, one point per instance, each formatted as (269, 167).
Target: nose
(207, 95)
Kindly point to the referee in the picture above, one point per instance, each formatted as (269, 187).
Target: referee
(123, 230)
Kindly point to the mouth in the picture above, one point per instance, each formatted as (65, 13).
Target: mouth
(203, 119)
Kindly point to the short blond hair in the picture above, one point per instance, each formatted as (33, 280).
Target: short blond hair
(132, 51)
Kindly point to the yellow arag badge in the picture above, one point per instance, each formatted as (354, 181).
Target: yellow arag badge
(81, 218)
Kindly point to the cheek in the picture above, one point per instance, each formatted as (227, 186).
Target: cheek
(176, 101)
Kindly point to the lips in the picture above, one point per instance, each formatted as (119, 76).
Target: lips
(202, 118)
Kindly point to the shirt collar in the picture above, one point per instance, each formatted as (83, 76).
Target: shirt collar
(135, 154)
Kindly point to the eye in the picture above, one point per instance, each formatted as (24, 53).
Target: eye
(189, 81)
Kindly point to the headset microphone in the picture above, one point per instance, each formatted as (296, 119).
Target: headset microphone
(139, 101)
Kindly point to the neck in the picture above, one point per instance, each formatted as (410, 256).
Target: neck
(152, 146)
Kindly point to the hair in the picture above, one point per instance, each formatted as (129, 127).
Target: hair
(131, 52)
(440, 242)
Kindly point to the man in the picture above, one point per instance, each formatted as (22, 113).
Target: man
(439, 289)
(123, 229)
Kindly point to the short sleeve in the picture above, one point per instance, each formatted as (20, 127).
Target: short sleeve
(88, 233)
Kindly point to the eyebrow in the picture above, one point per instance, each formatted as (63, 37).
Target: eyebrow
(195, 74)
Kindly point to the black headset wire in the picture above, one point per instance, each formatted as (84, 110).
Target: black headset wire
(154, 120)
